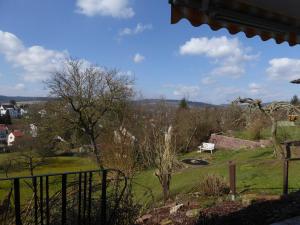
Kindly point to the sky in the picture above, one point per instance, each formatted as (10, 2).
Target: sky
(136, 37)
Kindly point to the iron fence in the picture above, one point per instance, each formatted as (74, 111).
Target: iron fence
(85, 197)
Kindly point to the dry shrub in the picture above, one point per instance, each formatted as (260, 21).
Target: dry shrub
(214, 185)
(254, 131)
(255, 128)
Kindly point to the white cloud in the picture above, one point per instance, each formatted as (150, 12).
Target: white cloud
(138, 58)
(19, 86)
(187, 91)
(228, 55)
(208, 80)
(113, 8)
(255, 88)
(235, 71)
(36, 61)
(214, 47)
(284, 68)
(140, 28)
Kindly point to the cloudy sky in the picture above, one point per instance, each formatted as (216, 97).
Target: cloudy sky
(136, 37)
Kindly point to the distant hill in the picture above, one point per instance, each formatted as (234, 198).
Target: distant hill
(173, 102)
(6, 99)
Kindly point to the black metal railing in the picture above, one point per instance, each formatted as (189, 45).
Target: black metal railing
(85, 197)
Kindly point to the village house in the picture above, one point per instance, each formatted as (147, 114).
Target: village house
(13, 110)
(33, 130)
(13, 136)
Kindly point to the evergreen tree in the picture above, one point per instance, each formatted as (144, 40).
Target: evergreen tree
(295, 100)
(12, 102)
(183, 104)
(7, 118)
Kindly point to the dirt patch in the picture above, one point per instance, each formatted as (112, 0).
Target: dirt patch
(262, 212)
(265, 210)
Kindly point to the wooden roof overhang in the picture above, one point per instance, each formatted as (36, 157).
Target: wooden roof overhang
(268, 19)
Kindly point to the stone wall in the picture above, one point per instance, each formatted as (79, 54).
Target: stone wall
(226, 142)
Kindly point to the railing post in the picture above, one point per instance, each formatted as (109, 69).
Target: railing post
(47, 202)
(103, 197)
(90, 197)
(41, 201)
(17, 202)
(84, 197)
(79, 198)
(34, 183)
(64, 200)
(232, 179)
(285, 176)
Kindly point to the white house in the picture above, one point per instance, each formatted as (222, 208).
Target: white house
(14, 111)
(33, 130)
(42, 112)
(2, 110)
(23, 112)
(12, 137)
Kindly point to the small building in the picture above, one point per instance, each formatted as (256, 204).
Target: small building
(23, 111)
(33, 130)
(13, 110)
(13, 136)
(42, 112)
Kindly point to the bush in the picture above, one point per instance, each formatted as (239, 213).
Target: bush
(254, 131)
(213, 185)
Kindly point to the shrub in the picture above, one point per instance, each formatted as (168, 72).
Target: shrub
(214, 185)
(254, 131)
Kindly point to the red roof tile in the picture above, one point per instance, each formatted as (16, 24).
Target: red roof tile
(18, 133)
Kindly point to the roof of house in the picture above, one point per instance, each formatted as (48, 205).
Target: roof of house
(18, 133)
(268, 19)
(8, 106)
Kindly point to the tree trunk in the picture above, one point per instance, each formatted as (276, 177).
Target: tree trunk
(164, 180)
(166, 187)
(96, 151)
(190, 140)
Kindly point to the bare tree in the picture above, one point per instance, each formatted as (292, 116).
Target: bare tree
(270, 111)
(92, 94)
(31, 154)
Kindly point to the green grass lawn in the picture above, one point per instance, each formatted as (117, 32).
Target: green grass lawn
(52, 165)
(283, 133)
(257, 172)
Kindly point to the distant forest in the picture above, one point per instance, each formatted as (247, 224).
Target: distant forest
(6, 99)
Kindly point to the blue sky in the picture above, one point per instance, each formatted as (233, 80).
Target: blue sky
(136, 37)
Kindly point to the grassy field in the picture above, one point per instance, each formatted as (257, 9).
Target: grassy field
(283, 133)
(51, 165)
(257, 172)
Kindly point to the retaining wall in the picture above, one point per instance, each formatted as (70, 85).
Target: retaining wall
(226, 142)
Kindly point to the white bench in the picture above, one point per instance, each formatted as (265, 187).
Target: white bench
(206, 147)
